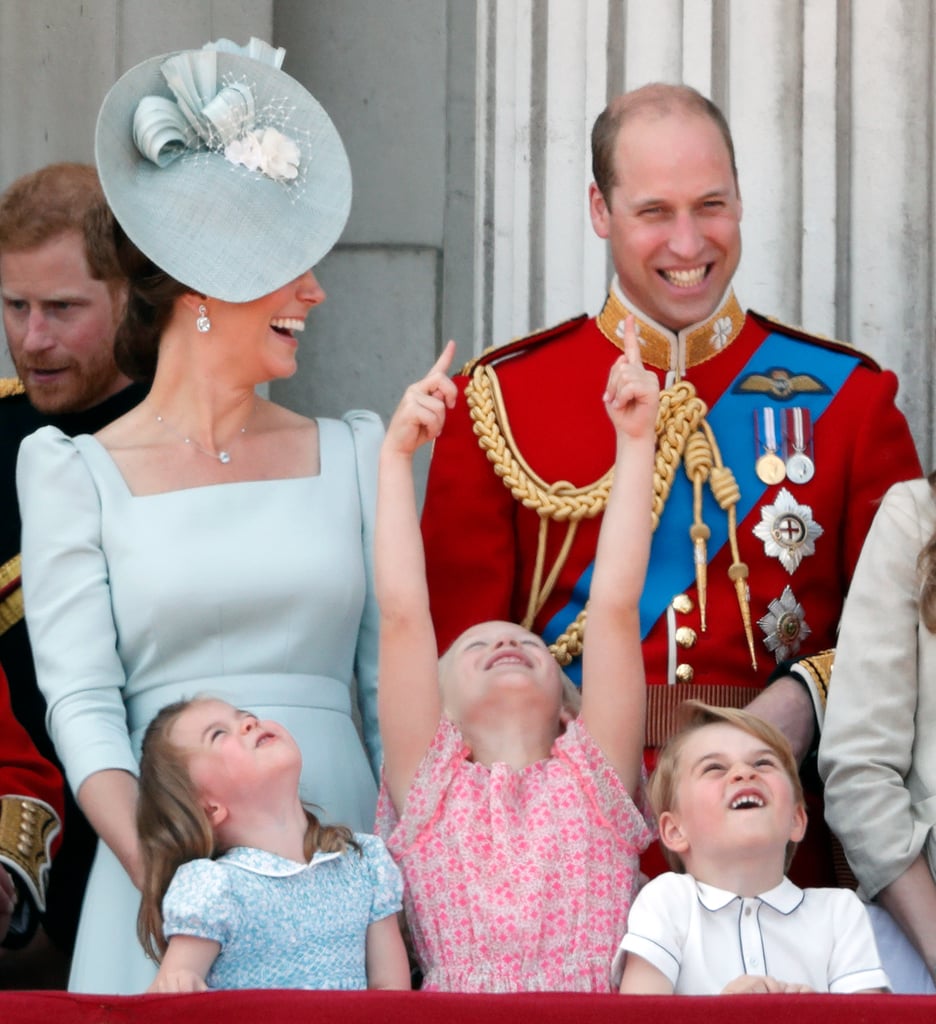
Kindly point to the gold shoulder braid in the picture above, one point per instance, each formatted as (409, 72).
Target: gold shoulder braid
(560, 501)
(683, 435)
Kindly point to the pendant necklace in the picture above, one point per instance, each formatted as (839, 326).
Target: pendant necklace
(223, 456)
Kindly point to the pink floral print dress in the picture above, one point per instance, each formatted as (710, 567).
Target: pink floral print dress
(516, 880)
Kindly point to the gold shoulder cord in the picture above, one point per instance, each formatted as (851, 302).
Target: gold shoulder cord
(683, 435)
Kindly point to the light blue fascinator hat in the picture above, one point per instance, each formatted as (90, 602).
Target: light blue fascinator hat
(223, 169)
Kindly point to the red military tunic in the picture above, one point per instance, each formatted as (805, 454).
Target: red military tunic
(481, 541)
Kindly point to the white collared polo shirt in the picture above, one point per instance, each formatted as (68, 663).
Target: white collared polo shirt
(702, 938)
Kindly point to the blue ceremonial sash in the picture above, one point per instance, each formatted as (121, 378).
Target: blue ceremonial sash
(672, 568)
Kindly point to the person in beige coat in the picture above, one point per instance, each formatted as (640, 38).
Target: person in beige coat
(877, 755)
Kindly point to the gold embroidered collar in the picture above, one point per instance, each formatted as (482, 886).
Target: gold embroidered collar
(663, 349)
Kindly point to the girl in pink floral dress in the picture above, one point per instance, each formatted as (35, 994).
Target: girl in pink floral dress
(513, 821)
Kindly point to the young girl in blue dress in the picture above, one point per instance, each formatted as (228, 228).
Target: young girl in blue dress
(243, 887)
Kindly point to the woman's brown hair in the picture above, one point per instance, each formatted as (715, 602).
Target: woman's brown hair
(151, 298)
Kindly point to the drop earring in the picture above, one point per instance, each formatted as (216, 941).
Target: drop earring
(202, 322)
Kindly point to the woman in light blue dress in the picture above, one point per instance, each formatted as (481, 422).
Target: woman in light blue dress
(209, 542)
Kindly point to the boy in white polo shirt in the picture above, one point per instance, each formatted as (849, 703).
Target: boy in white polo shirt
(727, 794)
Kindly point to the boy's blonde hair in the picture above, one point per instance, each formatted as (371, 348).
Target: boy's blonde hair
(692, 716)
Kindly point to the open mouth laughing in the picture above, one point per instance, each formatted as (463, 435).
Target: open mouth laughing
(287, 325)
(509, 657)
(686, 278)
(747, 801)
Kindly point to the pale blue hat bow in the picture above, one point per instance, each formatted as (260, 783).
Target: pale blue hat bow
(204, 114)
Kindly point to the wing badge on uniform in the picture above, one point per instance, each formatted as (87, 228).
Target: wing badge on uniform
(780, 384)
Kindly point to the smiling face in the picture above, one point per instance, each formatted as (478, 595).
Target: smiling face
(265, 330)
(672, 217)
(492, 661)
(733, 798)
(60, 324)
(232, 755)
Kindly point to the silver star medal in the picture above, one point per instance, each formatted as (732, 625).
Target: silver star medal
(788, 530)
(785, 625)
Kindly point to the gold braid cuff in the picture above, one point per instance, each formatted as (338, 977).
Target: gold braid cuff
(819, 669)
(27, 828)
(11, 606)
(680, 417)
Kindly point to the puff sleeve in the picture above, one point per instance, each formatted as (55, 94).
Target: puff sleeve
(68, 607)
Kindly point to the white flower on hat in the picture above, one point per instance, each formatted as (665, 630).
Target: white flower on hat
(245, 150)
(280, 155)
(268, 151)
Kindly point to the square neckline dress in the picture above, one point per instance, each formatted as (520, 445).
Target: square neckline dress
(257, 592)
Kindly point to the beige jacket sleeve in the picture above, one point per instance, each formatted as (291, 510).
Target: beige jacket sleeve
(877, 754)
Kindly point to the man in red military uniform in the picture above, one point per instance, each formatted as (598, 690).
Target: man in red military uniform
(31, 808)
(773, 448)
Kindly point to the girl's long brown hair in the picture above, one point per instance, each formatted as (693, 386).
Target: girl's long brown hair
(174, 828)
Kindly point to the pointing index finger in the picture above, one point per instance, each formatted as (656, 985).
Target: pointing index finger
(631, 344)
(444, 361)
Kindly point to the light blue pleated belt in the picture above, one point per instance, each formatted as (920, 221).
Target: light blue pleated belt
(253, 691)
